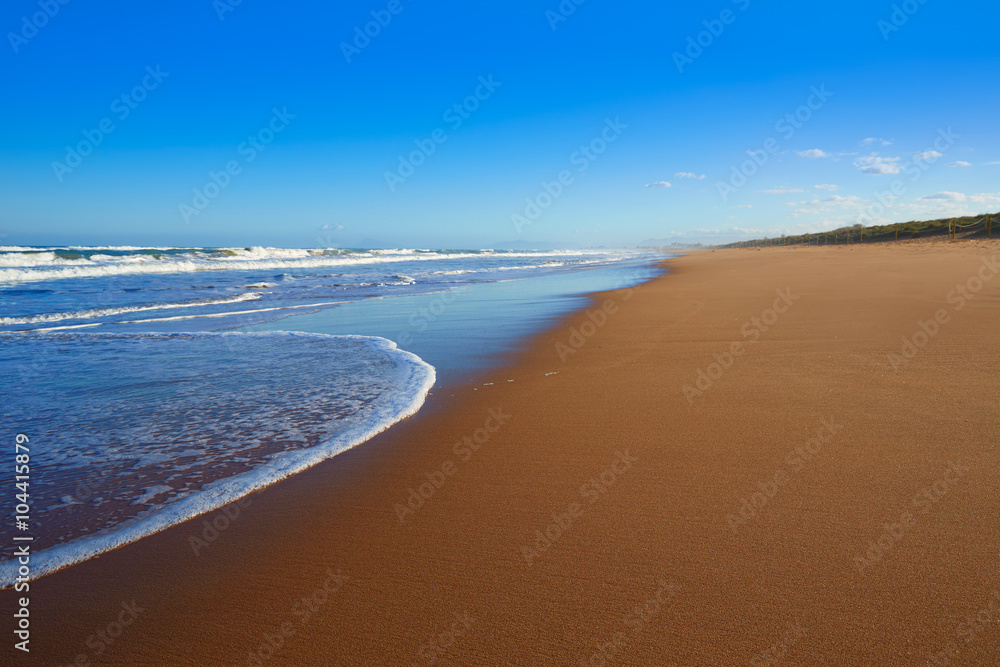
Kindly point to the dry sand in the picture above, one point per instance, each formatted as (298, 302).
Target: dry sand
(873, 540)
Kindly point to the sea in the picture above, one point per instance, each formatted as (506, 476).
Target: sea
(158, 384)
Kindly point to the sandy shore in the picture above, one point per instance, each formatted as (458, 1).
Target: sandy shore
(725, 466)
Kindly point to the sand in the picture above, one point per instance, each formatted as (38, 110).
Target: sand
(597, 519)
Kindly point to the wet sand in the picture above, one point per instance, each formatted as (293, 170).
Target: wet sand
(724, 466)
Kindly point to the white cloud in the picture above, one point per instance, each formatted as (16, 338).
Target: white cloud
(658, 184)
(873, 140)
(993, 163)
(960, 197)
(745, 206)
(946, 196)
(813, 153)
(826, 186)
(928, 155)
(688, 174)
(959, 163)
(783, 190)
(773, 232)
(945, 205)
(873, 164)
(825, 205)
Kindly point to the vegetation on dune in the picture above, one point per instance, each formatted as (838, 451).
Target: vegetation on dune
(969, 226)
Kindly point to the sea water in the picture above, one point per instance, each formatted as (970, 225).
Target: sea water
(157, 384)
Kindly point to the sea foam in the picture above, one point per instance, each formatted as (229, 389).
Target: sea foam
(134, 433)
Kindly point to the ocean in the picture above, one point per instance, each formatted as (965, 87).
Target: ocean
(157, 384)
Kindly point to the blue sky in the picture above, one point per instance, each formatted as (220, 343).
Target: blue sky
(263, 123)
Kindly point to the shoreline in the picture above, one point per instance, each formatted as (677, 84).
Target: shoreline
(53, 558)
(418, 377)
(583, 509)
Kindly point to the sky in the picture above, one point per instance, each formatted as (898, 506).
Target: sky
(406, 123)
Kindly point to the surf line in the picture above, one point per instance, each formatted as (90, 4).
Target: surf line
(180, 317)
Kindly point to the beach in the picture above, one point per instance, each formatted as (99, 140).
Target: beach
(765, 456)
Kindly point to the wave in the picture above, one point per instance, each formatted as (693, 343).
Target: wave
(94, 313)
(88, 248)
(521, 267)
(177, 318)
(32, 258)
(409, 377)
(33, 267)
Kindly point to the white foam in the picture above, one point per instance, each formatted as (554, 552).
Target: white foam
(413, 379)
(176, 318)
(120, 248)
(27, 258)
(252, 259)
(151, 493)
(523, 267)
(94, 313)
